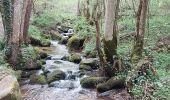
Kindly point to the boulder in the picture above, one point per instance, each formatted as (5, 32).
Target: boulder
(85, 67)
(9, 88)
(32, 65)
(45, 43)
(75, 57)
(91, 82)
(56, 75)
(27, 74)
(75, 43)
(43, 55)
(64, 40)
(111, 84)
(92, 62)
(38, 79)
(55, 35)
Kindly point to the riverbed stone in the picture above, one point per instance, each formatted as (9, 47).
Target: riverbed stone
(91, 82)
(55, 35)
(9, 88)
(111, 84)
(92, 62)
(38, 79)
(75, 57)
(85, 67)
(43, 55)
(64, 40)
(56, 75)
(75, 43)
(57, 62)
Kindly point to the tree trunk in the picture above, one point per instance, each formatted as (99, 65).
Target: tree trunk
(26, 13)
(86, 11)
(11, 43)
(140, 30)
(110, 33)
(78, 8)
(98, 41)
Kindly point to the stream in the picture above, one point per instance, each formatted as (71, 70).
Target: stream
(68, 89)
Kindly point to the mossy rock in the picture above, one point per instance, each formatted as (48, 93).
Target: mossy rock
(55, 76)
(43, 55)
(55, 35)
(38, 79)
(85, 68)
(111, 84)
(45, 43)
(10, 89)
(75, 43)
(92, 82)
(93, 62)
(64, 40)
(75, 57)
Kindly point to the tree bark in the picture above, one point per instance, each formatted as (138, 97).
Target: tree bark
(98, 41)
(140, 30)
(78, 8)
(26, 14)
(86, 9)
(110, 33)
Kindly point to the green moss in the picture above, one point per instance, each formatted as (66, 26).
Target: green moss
(73, 43)
(38, 79)
(74, 57)
(37, 37)
(91, 82)
(55, 76)
(28, 55)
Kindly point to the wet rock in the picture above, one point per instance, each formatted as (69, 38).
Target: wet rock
(92, 62)
(71, 77)
(43, 55)
(64, 40)
(38, 79)
(111, 84)
(54, 84)
(55, 35)
(45, 43)
(85, 67)
(49, 58)
(55, 76)
(27, 74)
(57, 62)
(9, 88)
(91, 82)
(75, 43)
(75, 57)
(40, 42)
(65, 58)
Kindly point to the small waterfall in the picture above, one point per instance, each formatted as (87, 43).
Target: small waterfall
(68, 89)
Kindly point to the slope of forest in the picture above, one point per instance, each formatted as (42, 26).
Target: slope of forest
(81, 26)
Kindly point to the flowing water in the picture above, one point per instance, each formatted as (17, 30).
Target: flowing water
(68, 89)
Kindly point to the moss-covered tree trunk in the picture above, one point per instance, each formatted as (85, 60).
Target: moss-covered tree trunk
(110, 33)
(140, 30)
(11, 15)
